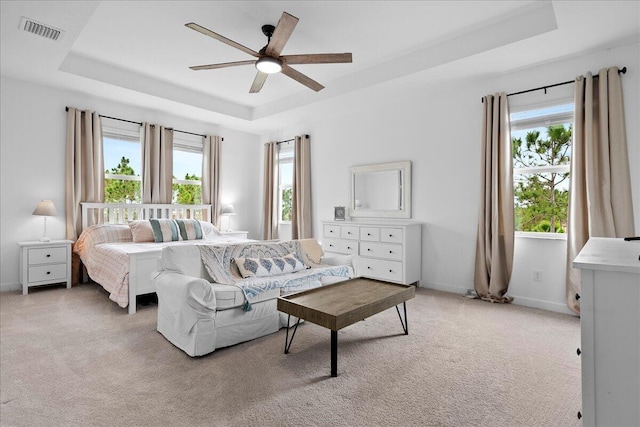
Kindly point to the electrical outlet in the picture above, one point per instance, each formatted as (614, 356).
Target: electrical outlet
(537, 276)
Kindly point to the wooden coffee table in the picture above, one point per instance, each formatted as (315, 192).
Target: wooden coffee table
(342, 304)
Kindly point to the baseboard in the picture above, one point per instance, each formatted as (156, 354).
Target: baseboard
(526, 302)
(9, 287)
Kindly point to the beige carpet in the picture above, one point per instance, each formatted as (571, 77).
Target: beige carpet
(73, 358)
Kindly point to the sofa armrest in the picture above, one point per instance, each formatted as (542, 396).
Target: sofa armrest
(186, 298)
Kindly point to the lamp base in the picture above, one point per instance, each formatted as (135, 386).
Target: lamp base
(45, 239)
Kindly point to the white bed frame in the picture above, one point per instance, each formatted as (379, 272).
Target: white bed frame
(141, 264)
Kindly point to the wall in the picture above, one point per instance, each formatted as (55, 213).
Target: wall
(32, 153)
(439, 130)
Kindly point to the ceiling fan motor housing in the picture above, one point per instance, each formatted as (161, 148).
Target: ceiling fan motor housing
(268, 30)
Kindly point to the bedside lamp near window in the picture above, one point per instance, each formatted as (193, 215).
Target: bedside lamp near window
(45, 208)
(228, 210)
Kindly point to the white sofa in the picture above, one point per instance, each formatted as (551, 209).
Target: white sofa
(198, 315)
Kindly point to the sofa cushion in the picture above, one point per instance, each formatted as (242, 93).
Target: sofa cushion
(141, 231)
(231, 296)
(273, 266)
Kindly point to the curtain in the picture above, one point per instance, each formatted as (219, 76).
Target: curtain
(494, 245)
(211, 176)
(157, 163)
(85, 168)
(301, 200)
(600, 191)
(270, 195)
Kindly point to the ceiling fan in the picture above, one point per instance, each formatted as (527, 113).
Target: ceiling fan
(269, 60)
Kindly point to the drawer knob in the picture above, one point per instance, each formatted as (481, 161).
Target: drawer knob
(368, 249)
(330, 245)
(390, 271)
(368, 268)
(579, 415)
(578, 352)
(348, 232)
(577, 296)
(348, 247)
(390, 252)
(330, 231)
(48, 255)
(390, 235)
(368, 234)
(48, 272)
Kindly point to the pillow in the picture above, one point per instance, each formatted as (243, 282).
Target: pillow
(164, 230)
(190, 229)
(141, 231)
(262, 267)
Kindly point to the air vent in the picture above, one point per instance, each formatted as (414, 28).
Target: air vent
(40, 29)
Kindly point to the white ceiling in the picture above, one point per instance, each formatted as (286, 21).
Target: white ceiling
(138, 52)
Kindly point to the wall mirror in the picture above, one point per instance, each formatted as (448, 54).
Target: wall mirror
(380, 191)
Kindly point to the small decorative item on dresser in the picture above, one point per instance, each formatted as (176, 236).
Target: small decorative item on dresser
(339, 213)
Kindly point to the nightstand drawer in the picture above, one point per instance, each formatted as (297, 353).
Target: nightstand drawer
(42, 273)
(47, 255)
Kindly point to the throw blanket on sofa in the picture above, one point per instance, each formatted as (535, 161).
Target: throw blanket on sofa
(217, 260)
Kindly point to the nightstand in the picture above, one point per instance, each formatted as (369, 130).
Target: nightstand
(236, 234)
(45, 263)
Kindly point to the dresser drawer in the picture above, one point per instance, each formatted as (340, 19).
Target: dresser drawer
(348, 232)
(41, 273)
(331, 231)
(391, 235)
(340, 246)
(47, 255)
(381, 269)
(370, 234)
(381, 250)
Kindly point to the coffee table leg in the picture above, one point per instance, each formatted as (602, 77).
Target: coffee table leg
(405, 322)
(287, 342)
(334, 353)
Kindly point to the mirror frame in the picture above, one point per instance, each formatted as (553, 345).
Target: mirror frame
(405, 173)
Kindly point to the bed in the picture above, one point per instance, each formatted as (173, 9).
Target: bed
(122, 264)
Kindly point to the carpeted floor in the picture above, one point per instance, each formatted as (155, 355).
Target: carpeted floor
(71, 357)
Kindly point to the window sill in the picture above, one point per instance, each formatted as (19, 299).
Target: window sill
(544, 236)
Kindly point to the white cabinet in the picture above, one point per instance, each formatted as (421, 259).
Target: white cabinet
(610, 332)
(44, 263)
(385, 251)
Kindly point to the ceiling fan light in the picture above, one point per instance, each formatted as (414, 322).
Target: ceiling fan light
(268, 65)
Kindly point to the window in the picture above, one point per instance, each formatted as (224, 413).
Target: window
(123, 165)
(187, 170)
(285, 182)
(541, 141)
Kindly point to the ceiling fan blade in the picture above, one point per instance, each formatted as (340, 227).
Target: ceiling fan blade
(318, 58)
(222, 65)
(223, 39)
(258, 82)
(281, 34)
(301, 78)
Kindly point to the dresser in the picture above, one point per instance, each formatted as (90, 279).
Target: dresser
(44, 263)
(610, 332)
(390, 251)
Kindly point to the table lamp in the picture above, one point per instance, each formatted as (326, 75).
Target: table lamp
(228, 210)
(45, 208)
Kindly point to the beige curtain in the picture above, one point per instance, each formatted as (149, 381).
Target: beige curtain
(270, 194)
(301, 201)
(157, 163)
(600, 191)
(85, 168)
(494, 246)
(211, 176)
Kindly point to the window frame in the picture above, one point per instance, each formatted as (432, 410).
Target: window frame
(186, 143)
(128, 133)
(285, 156)
(530, 123)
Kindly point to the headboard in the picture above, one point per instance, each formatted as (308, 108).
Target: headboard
(121, 213)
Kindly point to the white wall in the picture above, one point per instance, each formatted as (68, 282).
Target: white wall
(439, 131)
(32, 153)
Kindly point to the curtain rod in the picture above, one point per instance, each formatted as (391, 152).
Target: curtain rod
(621, 71)
(288, 140)
(140, 124)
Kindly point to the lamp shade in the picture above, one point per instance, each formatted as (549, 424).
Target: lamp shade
(269, 65)
(228, 210)
(45, 208)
